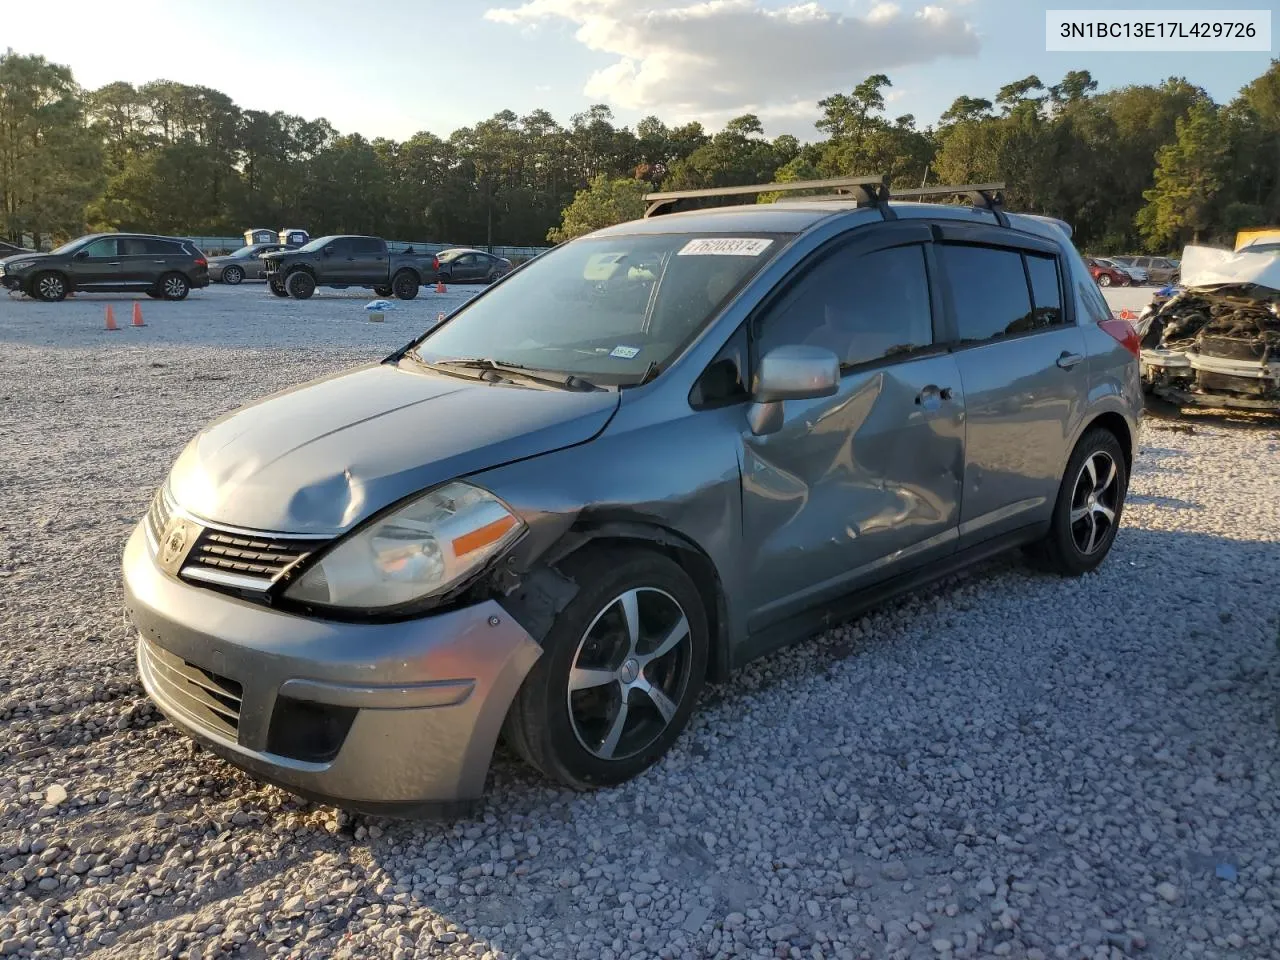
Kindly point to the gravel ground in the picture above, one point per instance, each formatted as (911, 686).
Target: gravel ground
(1005, 765)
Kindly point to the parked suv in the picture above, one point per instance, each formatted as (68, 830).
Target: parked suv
(161, 267)
(342, 262)
(1160, 270)
(645, 458)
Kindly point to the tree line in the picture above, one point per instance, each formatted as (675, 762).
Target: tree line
(1142, 166)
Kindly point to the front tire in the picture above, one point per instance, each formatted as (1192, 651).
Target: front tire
(232, 275)
(1104, 281)
(174, 286)
(300, 284)
(620, 672)
(383, 291)
(49, 287)
(405, 285)
(1090, 503)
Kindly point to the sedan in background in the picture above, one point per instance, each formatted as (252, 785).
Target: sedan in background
(1136, 273)
(244, 264)
(1106, 274)
(464, 265)
(12, 250)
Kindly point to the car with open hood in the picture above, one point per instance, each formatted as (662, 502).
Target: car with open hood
(1216, 341)
(627, 468)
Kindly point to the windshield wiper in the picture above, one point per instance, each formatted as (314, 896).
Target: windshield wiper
(569, 381)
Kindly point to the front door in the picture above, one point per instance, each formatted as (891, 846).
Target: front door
(1024, 369)
(856, 487)
(97, 264)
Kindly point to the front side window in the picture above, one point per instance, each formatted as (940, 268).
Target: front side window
(604, 308)
(862, 307)
(102, 249)
(317, 244)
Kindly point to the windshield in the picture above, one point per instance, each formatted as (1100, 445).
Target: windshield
(317, 244)
(246, 251)
(604, 308)
(70, 245)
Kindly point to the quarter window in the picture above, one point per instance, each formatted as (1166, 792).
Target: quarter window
(1046, 291)
(862, 307)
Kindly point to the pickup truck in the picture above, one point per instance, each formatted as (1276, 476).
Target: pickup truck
(348, 261)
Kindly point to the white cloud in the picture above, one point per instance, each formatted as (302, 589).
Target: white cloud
(710, 58)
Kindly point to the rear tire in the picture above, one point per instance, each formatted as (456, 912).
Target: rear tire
(232, 275)
(405, 285)
(49, 287)
(1089, 508)
(634, 640)
(174, 286)
(300, 284)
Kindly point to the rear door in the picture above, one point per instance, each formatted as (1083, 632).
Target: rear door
(97, 264)
(856, 487)
(368, 260)
(1021, 358)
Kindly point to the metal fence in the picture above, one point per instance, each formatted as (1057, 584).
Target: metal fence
(212, 245)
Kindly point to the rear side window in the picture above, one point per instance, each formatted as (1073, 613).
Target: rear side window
(862, 307)
(366, 246)
(1046, 290)
(989, 291)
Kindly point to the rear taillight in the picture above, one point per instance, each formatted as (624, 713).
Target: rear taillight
(435, 263)
(201, 262)
(1124, 333)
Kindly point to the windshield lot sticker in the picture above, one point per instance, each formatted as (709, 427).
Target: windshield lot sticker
(724, 247)
(626, 353)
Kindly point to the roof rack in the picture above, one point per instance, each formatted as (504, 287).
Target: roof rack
(986, 196)
(867, 191)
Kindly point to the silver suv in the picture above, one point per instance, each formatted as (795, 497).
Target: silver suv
(632, 465)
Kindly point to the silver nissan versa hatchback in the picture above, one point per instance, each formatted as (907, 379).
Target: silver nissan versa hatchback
(632, 465)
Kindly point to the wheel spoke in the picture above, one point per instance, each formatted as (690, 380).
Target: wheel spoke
(1109, 478)
(630, 602)
(1106, 512)
(619, 723)
(1090, 469)
(1078, 514)
(1093, 533)
(585, 678)
(658, 697)
(672, 640)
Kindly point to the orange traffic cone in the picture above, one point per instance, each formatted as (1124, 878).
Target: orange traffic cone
(1127, 314)
(111, 319)
(137, 315)
(440, 286)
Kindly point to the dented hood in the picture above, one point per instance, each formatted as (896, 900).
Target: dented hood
(1208, 267)
(319, 458)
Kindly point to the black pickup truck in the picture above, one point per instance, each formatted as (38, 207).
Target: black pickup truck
(342, 262)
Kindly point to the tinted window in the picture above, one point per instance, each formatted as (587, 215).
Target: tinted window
(988, 291)
(861, 307)
(106, 247)
(1045, 289)
(366, 246)
(724, 380)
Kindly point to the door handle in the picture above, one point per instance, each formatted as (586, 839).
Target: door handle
(933, 392)
(1068, 360)
(157, 261)
(112, 263)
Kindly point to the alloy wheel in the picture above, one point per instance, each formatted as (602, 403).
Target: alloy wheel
(51, 287)
(630, 673)
(175, 288)
(1094, 502)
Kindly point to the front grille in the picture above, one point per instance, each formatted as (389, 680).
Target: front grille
(218, 554)
(211, 699)
(158, 515)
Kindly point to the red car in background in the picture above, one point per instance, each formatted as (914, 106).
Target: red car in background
(1106, 274)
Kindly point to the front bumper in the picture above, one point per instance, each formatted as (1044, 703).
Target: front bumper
(12, 281)
(395, 718)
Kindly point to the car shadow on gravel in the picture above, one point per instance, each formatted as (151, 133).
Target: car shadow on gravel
(1161, 415)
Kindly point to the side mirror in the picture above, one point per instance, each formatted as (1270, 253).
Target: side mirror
(328, 251)
(82, 255)
(793, 372)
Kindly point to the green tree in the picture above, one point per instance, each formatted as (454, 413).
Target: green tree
(605, 202)
(1189, 176)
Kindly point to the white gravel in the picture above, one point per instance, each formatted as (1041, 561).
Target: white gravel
(1005, 765)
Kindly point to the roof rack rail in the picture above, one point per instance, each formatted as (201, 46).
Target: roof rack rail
(986, 196)
(867, 191)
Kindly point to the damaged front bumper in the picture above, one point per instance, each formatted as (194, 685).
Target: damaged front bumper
(397, 719)
(1184, 377)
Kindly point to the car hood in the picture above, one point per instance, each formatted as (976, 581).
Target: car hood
(321, 457)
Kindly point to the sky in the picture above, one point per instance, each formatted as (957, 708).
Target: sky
(393, 67)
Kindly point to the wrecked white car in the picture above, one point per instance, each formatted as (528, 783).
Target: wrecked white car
(1216, 342)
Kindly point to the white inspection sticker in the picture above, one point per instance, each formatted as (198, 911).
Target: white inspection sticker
(625, 353)
(724, 247)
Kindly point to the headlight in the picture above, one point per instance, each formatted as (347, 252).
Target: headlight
(20, 265)
(420, 551)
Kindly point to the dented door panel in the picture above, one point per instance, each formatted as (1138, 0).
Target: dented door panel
(853, 488)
